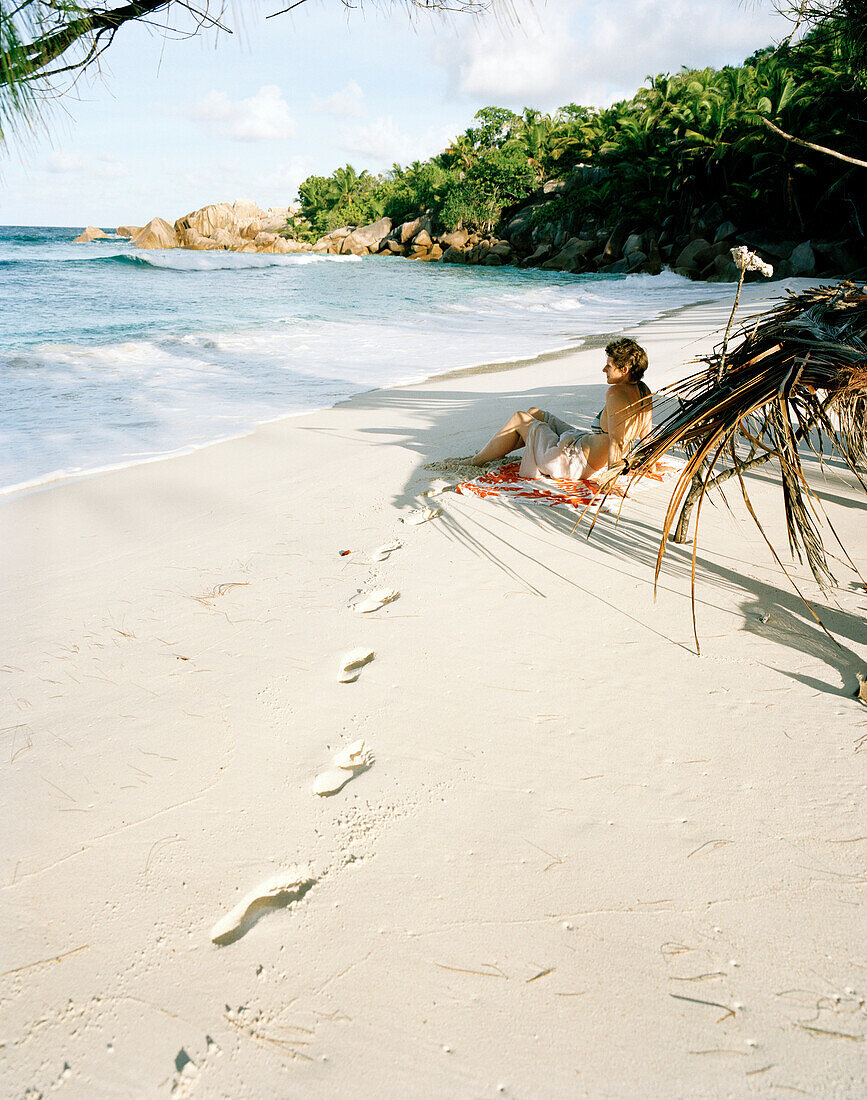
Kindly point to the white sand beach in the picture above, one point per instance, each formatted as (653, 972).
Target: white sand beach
(577, 859)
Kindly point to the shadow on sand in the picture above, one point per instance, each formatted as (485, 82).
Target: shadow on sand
(447, 422)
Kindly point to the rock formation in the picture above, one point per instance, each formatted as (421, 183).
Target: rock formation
(156, 234)
(538, 234)
(232, 227)
(91, 234)
(238, 227)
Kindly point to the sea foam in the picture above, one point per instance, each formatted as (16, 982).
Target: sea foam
(183, 260)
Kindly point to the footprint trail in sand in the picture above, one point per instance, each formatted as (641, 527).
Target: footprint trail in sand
(275, 892)
(350, 761)
(381, 553)
(289, 886)
(352, 663)
(373, 601)
(420, 515)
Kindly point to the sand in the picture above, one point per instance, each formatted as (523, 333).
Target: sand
(577, 859)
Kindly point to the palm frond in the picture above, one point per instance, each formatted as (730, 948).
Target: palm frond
(796, 378)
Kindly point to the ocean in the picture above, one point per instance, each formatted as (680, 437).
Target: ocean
(110, 355)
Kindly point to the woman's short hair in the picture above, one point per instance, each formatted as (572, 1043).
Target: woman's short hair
(628, 355)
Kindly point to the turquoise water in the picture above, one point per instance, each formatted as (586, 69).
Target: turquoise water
(110, 355)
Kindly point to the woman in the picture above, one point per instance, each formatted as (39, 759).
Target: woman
(556, 449)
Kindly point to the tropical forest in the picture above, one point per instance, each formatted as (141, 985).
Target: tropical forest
(775, 148)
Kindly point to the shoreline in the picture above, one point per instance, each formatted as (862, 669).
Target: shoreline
(577, 845)
(58, 478)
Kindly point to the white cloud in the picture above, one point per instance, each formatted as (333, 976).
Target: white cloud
(71, 162)
(278, 184)
(260, 179)
(65, 161)
(272, 184)
(383, 141)
(599, 50)
(264, 116)
(344, 104)
(522, 63)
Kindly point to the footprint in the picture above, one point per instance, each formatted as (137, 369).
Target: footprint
(330, 782)
(420, 515)
(382, 552)
(352, 663)
(349, 761)
(275, 892)
(356, 755)
(186, 1072)
(373, 601)
(438, 486)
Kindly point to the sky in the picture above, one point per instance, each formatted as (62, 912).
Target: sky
(171, 124)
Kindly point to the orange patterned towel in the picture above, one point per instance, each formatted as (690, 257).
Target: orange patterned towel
(505, 481)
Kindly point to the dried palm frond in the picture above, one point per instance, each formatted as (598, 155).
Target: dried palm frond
(797, 376)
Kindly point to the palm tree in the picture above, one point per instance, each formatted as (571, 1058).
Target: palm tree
(461, 152)
(348, 184)
(531, 134)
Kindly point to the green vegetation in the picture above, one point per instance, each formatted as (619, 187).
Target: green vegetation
(687, 152)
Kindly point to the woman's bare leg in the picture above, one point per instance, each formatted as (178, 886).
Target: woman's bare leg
(512, 435)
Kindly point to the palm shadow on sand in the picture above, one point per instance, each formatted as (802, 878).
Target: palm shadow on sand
(447, 422)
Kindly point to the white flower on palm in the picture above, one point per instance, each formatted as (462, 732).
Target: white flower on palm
(745, 260)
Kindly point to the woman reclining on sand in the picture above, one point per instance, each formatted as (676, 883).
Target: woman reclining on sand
(556, 449)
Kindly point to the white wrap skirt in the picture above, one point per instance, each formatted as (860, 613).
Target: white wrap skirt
(553, 449)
